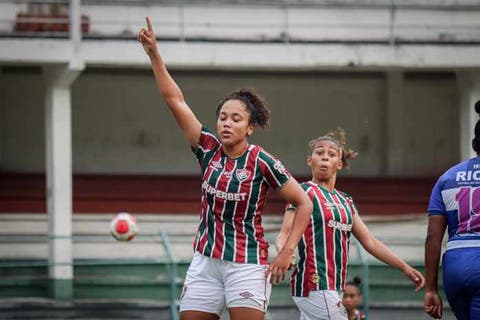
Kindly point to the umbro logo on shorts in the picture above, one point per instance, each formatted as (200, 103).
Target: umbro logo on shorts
(246, 294)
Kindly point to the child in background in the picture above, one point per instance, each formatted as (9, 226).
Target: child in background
(352, 298)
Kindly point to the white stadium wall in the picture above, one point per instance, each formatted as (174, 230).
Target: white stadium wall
(120, 124)
(431, 123)
(22, 121)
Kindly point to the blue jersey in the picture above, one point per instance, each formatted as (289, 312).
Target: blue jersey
(456, 195)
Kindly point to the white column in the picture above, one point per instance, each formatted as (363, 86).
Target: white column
(75, 23)
(2, 119)
(58, 127)
(469, 90)
(393, 160)
(58, 80)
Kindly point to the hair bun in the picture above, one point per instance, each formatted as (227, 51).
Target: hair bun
(477, 106)
(357, 280)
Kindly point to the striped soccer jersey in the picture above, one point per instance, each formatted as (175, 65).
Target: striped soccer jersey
(359, 315)
(456, 195)
(233, 196)
(323, 249)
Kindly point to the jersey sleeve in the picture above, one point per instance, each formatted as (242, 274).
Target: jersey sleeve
(291, 206)
(436, 206)
(274, 173)
(207, 145)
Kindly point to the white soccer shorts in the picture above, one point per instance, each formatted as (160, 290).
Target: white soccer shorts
(213, 284)
(321, 305)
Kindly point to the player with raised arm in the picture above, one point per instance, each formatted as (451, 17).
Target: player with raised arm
(230, 265)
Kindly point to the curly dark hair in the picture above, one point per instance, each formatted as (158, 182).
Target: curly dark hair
(254, 103)
(338, 137)
(476, 139)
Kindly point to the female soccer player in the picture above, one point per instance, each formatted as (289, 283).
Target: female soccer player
(323, 250)
(230, 264)
(351, 299)
(455, 201)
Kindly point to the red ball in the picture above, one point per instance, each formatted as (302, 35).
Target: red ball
(124, 227)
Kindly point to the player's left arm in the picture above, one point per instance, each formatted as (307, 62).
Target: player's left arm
(293, 193)
(380, 251)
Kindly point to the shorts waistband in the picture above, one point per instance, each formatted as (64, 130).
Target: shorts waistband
(458, 244)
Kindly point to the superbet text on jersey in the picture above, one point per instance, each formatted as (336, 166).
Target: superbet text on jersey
(323, 249)
(233, 196)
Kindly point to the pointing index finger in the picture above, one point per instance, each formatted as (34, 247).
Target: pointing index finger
(149, 24)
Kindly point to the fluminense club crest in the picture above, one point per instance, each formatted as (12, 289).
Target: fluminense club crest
(242, 174)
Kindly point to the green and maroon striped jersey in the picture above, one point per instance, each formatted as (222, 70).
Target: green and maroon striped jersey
(323, 249)
(359, 315)
(233, 197)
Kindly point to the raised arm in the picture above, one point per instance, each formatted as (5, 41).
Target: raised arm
(433, 243)
(380, 251)
(169, 90)
(293, 193)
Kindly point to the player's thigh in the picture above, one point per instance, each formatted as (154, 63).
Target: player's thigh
(322, 305)
(455, 282)
(475, 306)
(242, 313)
(246, 286)
(198, 315)
(473, 280)
(203, 290)
(303, 316)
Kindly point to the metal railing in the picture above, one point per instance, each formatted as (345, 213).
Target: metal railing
(298, 21)
(173, 275)
(170, 259)
(365, 278)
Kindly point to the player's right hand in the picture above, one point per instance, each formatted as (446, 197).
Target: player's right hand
(279, 267)
(147, 38)
(433, 304)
